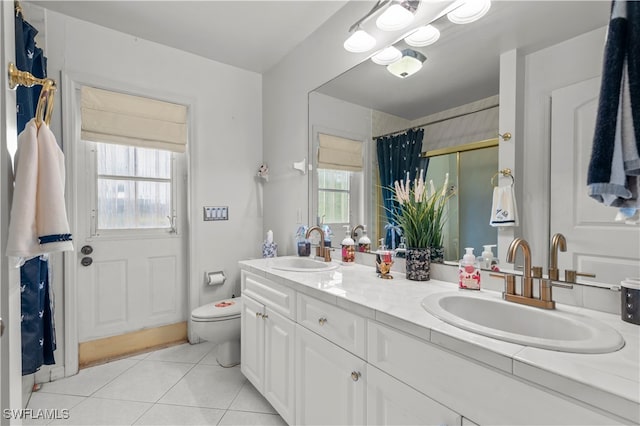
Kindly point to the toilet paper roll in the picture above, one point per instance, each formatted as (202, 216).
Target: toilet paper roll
(215, 278)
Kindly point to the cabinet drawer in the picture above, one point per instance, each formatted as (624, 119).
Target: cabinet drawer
(488, 396)
(276, 296)
(337, 325)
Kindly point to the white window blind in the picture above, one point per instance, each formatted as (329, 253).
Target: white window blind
(116, 118)
(338, 153)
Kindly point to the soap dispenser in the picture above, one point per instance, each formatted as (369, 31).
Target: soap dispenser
(364, 243)
(382, 255)
(303, 244)
(487, 260)
(348, 248)
(469, 271)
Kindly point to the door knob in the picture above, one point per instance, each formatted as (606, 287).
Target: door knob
(86, 261)
(355, 375)
(86, 250)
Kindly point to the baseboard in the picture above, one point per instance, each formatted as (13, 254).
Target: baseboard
(114, 347)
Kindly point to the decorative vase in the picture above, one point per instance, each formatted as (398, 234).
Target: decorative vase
(437, 254)
(418, 264)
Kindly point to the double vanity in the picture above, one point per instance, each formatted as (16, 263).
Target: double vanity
(332, 344)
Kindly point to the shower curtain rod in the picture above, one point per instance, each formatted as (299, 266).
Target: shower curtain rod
(397, 132)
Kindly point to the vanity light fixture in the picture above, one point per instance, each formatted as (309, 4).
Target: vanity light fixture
(409, 64)
(397, 16)
(469, 11)
(423, 36)
(387, 56)
(360, 41)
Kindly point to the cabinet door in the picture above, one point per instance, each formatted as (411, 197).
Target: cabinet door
(279, 351)
(252, 342)
(330, 385)
(391, 402)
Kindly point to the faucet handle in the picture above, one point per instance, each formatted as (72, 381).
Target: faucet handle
(327, 254)
(571, 275)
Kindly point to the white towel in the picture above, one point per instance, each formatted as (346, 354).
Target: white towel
(504, 211)
(38, 222)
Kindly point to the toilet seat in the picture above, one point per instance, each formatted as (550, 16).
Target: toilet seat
(225, 310)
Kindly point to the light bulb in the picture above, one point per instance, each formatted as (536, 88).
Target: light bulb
(423, 36)
(359, 41)
(470, 11)
(387, 56)
(396, 17)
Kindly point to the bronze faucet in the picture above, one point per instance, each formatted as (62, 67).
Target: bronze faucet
(355, 230)
(527, 280)
(325, 252)
(558, 242)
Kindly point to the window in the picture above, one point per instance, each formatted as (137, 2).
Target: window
(134, 187)
(333, 195)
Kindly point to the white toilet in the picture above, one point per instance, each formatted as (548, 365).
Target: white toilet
(219, 323)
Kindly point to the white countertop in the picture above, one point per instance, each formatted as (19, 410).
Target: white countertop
(609, 381)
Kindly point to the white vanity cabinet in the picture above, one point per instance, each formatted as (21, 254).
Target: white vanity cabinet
(330, 382)
(267, 341)
(391, 402)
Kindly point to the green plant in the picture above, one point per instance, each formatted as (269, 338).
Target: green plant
(421, 211)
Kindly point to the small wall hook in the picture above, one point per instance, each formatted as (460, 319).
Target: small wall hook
(505, 136)
(301, 166)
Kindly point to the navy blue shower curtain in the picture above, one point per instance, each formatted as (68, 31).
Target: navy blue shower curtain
(397, 156)
(37, 326)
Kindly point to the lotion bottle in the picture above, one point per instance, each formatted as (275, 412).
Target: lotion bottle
(469, 271)
(348, 248)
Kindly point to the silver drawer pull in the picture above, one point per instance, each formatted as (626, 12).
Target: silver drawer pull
(258, 315)
(322, 321)
(355, 375)
(265, 316)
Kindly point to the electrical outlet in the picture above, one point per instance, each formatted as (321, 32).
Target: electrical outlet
(215, 213)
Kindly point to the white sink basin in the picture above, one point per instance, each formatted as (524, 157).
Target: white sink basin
(301, 264)
(491, 316)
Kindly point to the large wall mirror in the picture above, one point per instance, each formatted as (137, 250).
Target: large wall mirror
(458, 89)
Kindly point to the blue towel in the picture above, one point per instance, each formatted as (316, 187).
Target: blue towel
(615, 162)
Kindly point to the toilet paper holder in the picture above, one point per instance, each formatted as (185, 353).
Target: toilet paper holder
(214, 278)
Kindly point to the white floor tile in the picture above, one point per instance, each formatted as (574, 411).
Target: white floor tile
(206, 386)
(140, 356)
(161, 414)
(249, 399)
(55, 404)
(211, 357)
(146, 381)
(182, 353)
(89, 380)
(247, 418)
(97, 411)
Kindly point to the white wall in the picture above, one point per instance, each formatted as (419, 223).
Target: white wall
(225, 141)
(572, 61)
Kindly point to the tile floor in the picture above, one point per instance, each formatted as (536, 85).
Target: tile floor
(180, 385)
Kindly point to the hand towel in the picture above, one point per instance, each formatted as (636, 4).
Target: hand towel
(616, 143)
(504, 211)
(38, 222)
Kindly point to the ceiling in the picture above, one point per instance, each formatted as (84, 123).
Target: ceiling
(253, 35)
(461, 67)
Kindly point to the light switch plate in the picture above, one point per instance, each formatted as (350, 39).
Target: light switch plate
(215, 213)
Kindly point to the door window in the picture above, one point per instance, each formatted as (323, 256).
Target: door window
(134, 188)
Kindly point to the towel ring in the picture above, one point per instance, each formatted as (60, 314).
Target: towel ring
(504, 173)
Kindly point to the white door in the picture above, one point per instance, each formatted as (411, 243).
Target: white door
(595, 242)
(130, 239)
(279, 352)
(252, 342)
(330, 386)
(10, 352)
